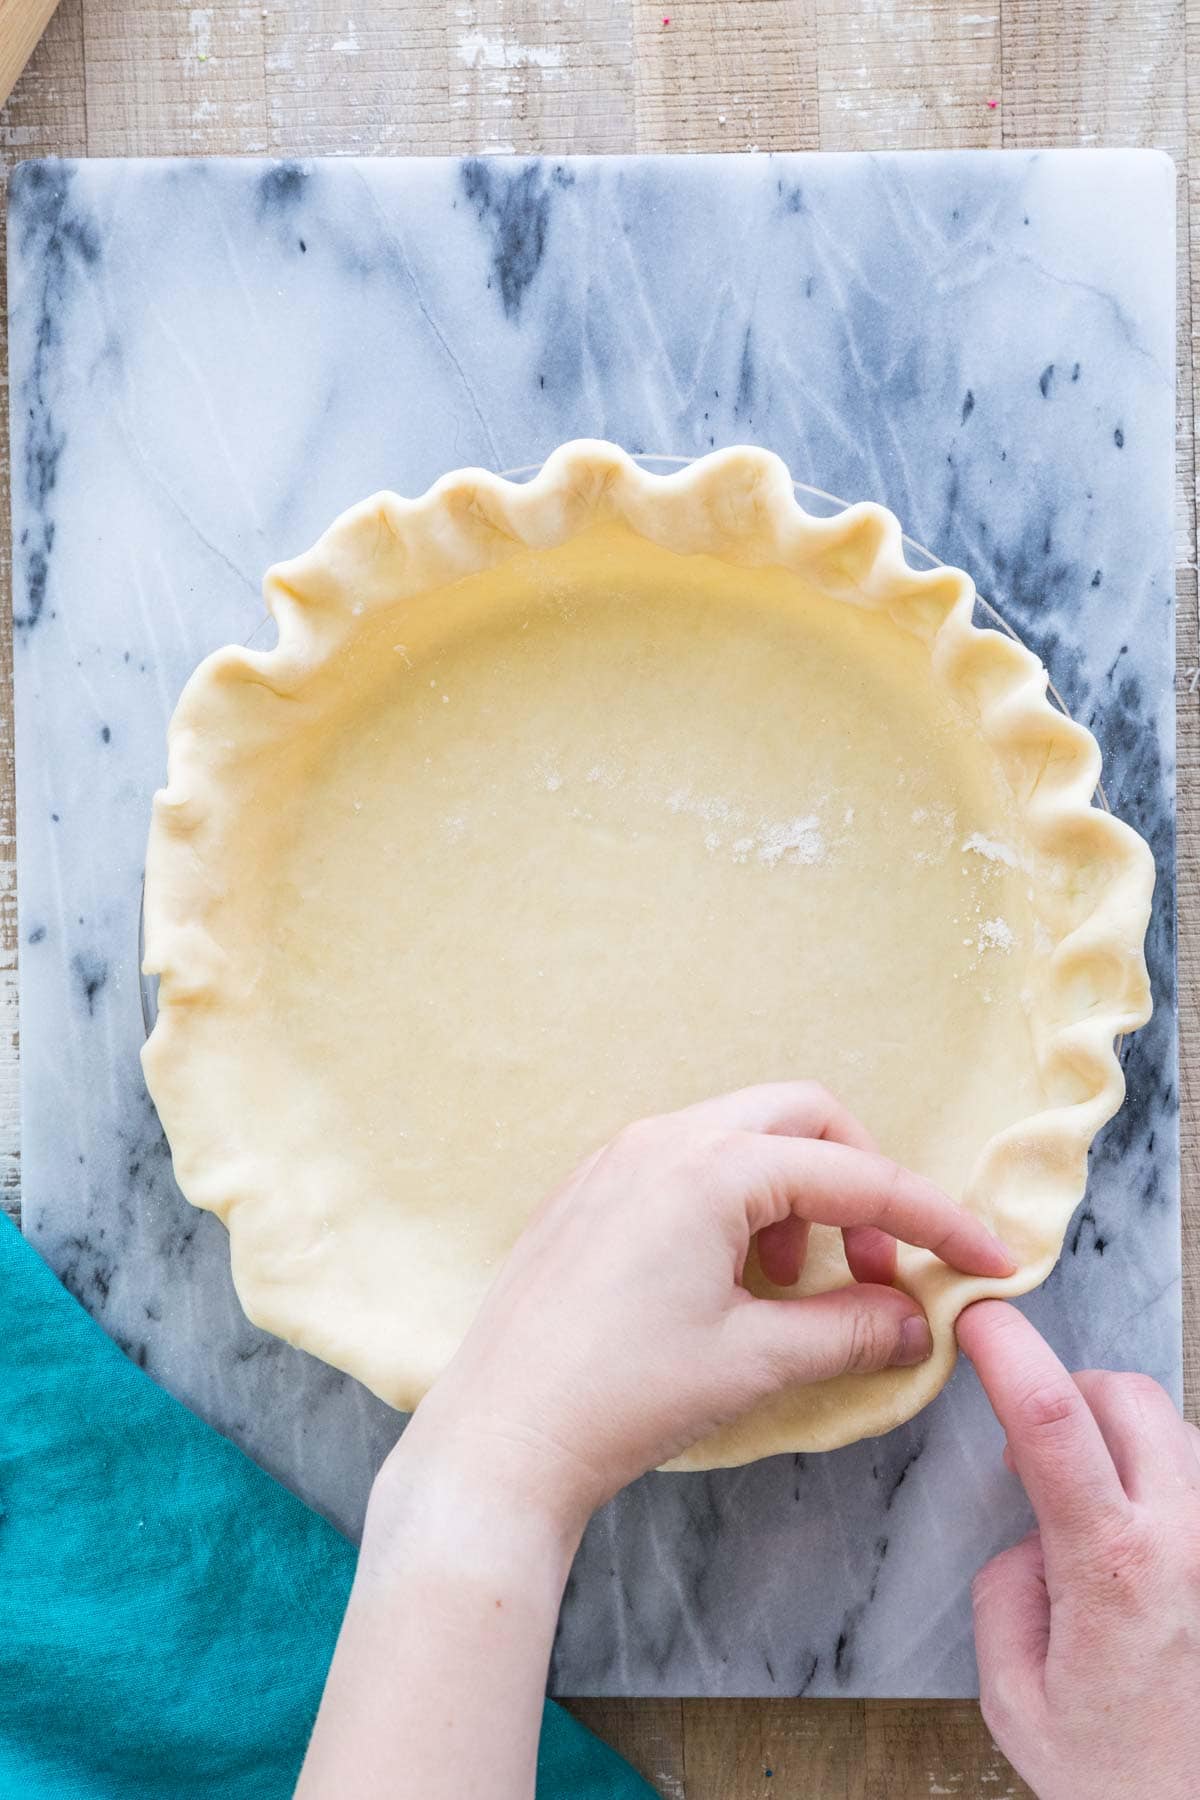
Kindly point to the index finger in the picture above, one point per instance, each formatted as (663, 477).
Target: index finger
(801, 1109)
(831, 1184)
(782, 1109)
(1056, 1445)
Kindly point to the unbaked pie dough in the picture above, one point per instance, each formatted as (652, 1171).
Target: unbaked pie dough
(562, 803)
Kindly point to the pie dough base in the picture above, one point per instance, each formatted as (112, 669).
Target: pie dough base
(589, 832)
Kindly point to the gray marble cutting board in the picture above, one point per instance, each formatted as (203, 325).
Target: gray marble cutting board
(210, 359)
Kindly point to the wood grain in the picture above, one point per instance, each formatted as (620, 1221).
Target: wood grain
(143, 77)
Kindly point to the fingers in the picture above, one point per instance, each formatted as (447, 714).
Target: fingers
(832, 1184)
(1012, 1630)
(1146, 1437)
(871, 1254)
(801, 1109)
(782, 1248)
(852, 1330)
(787, 1108)
(1055, 1443)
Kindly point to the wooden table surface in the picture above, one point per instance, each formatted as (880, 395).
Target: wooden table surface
(397, 77)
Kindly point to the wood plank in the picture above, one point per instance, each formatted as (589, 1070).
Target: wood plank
(45, 114)
(772, 1749)
(919, 77)
(919, 1748)
(1077, 74)
(726, 75)
(483, 76)
(648, 1733)
(169, 80)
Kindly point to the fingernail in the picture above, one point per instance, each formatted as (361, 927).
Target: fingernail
(916, 1343)
(1004, 1255)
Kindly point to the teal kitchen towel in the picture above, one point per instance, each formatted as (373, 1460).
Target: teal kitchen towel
(167, 1611)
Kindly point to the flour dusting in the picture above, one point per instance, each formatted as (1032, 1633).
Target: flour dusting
(992, 851)
(710, 809)
(996, 934)
(795, 841)
(939, 827)
(799, 841)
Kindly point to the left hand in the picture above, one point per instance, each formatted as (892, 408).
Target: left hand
(619, 1331)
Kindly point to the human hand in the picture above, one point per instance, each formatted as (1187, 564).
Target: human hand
(1088, 1631)
(618, 1331)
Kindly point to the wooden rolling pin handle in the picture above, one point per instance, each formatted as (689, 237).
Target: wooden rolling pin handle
(22, 23)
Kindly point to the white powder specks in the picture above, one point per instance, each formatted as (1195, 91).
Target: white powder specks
(480, 52)
(710, 809)
(794, 841)
(605, 775)
(800, 841)
(996, 934)
(991, 850)
(553, 782)
(938, 828)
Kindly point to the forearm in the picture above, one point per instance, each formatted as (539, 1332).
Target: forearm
(440, 1670)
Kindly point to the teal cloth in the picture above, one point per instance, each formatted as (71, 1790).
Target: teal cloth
(167, 1611)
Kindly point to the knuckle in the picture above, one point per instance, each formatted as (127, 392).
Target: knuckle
(986, 1581)
(700, 1153)
(820, 1096)
(1048, 1408)
(1002, 1705)
(637, 1137)
(1126, 1561)
(1133, 1386)
(892, 1185)
(993, 1577)
(693, 1162)
(894, 1180)
(869, 1342)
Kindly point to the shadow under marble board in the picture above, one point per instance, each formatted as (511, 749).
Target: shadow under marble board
(210, 359)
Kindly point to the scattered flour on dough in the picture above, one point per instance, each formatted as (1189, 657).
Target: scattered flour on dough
(940, 829)
(794, 841)
(992, 851)
(996, 934)
(606, 775)
(711, 809)
(798, 841)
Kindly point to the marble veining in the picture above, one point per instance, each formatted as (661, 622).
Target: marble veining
(210, 359)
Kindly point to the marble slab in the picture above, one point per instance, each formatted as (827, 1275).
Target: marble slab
(210, 359)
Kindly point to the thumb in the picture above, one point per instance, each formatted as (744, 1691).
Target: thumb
(852, 1330)
(1012, 1628)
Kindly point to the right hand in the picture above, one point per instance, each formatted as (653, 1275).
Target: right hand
(1088, 1632)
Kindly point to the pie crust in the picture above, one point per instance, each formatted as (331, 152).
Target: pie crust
(561, 803)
